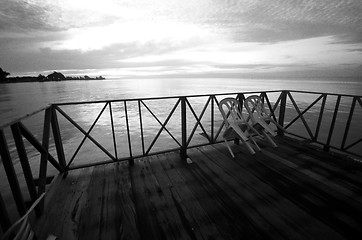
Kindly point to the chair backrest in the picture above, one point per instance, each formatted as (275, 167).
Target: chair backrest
(25, 230)
(254, 105)
(233, 111)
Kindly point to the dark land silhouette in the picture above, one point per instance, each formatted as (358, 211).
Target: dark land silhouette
(55, 76)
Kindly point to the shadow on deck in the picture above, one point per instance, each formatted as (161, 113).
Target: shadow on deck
(291, 192)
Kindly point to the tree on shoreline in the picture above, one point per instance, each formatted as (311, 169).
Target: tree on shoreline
(3, 74)
(55, 76)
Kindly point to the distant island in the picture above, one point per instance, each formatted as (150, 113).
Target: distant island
(55, 76)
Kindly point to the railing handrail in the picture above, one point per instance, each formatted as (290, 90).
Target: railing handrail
(164, 97)
(24, 117)
(201, 95)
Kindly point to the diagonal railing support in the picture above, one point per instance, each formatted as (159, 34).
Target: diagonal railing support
(198, 120)
(113, 132)
(11, 174)
(265, 96)
(38, 146)
(300, 115)
(351, 111)
(85, 133)
(321, 113)
(23, 157)
(163, 125)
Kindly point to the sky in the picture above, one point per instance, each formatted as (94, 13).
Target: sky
(182, 38)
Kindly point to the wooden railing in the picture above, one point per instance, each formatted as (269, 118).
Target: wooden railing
(317, 117)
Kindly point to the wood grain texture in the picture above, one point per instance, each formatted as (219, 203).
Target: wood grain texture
(291, 192)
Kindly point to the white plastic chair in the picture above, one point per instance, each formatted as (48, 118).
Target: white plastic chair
(260, 118)
(25, 231)
(235, 125)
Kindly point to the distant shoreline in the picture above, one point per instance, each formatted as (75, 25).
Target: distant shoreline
(36, 79)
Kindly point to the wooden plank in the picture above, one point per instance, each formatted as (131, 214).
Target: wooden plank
(344, 210)
(208, 204)
(224, 207)
(342, 166)
(188, 206)
(147, 222)
(119, 213)
(63, 204)
(127, 206)
(104, 206)
(78, 198)
(164, 179)
(276, 194)
(268, 212)
(181, 228)
(322, 173)
(303, 194)
(161, 201)
(313, 228)
(90, 219)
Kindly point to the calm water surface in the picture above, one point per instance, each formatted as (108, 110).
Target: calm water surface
(22, 98)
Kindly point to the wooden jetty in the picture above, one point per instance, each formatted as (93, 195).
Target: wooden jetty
(291, 192)
(299, 190)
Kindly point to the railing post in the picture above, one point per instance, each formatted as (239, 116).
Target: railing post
(44, 157)
(183, 129)
(327, 146)
(240, 97)
(283, 103)
(10, 172)
(131, 160)
(58, 140)
(212, 118)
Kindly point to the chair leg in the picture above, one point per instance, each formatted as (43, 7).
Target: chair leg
(269, 139)
(254, 142)
(266, 127)
(227, 145)
(251, 150)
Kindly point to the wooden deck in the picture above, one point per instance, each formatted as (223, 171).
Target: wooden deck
(291, 192)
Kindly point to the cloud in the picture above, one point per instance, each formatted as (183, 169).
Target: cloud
(281, 20)
(203, 35)
(21, 15)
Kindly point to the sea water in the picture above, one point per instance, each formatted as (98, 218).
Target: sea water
(18, 99)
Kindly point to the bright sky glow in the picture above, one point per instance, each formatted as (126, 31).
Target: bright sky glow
(179, 38)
